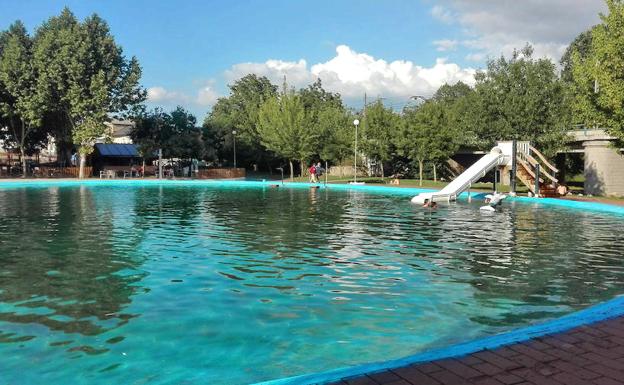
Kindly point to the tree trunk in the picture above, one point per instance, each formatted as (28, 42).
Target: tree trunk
(292, 171)
(420, 171)
(24, 165)
(143, 173)
(83, 163)
(63, 152)
(435, 174)
(382, 171)
(303, 168)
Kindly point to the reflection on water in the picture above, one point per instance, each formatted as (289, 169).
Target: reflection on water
(186, 284)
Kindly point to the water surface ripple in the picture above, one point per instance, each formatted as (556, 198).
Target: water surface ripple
(175, 284)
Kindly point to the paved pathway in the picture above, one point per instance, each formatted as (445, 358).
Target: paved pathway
(587, 355)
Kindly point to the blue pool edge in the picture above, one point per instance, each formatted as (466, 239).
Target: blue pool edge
(599, 312)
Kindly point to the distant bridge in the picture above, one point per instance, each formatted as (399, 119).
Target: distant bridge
(604, 164)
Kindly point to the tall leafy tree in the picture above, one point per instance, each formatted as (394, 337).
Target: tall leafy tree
(328, 118)
(333, 123)
(151, 131)
(22, 105)
(426, 136)
(522, 98)
(185, 140)
(599, 76)
(86, 78)
(380, 126)
(581, 45)
(239, 112)
(283, 130)
(176, 133)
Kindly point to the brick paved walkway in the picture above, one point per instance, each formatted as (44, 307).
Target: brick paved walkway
(587, 355)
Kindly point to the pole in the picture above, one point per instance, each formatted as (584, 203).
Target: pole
(160, 163)
(326, 172)
(496, 171)
(537, 177)
(355, 156)
(234, 136)
(514, 166)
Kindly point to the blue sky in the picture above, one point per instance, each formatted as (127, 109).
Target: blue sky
(191, 50)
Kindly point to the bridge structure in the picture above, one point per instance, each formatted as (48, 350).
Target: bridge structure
(603, 161)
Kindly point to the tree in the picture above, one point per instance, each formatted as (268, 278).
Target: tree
(151, 131)
(282, 129)
(21, 105)
(599, 77)
(328, 118)
(185, 139)
(521, 98)
(582, 46)
(426, 136)
(239, 112)
(176, 133)
(335, 133)
(380, 126)
(86, 78)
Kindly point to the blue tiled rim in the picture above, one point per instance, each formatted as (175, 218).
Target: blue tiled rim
(603, 311)
(606, 310)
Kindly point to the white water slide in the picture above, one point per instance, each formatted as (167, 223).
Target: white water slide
(494, 158)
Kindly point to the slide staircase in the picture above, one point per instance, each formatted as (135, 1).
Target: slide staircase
(531, 162)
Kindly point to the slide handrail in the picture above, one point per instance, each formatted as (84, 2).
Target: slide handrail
(543, 159)
(529, 169)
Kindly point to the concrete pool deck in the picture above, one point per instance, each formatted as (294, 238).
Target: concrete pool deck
(587, 355)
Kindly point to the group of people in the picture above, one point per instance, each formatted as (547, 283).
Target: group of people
(316, 171)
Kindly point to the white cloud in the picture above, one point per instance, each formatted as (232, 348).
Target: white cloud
(498, 27)
(296, 72)
(205, 96)
(445, 45)
(441, 13)
(476, 57)
(161, 95)
(352, 74)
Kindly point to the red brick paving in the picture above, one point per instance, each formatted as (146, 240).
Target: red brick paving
(586, 355)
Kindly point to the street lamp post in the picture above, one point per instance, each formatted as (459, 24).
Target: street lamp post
(234, 139)
(356, 122)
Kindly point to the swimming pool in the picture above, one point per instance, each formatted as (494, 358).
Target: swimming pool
(235, 283)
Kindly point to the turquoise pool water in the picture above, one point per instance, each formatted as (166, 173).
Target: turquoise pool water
(230, 285)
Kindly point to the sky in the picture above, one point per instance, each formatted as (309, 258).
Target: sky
(392, 49)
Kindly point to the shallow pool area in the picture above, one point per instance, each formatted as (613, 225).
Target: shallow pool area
(227, 283)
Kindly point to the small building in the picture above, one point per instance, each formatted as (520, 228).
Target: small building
(118, 131)
(116, 157)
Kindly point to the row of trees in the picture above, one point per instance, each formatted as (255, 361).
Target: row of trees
(517, 98)
(64, 82)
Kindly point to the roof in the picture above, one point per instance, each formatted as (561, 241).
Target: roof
(117, 150)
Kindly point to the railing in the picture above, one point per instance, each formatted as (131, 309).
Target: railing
(544, 160)
(546, 168)
(61, 172)
(221, 173)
